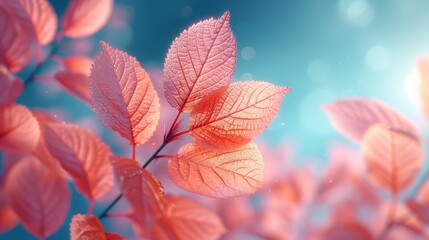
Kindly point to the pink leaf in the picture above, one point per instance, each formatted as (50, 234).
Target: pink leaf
(201, 60)
(123, 95)
(78, 64)
(354, 116)
(19, 129)
(87, 227)
(41, 151)
(231, 117)
(15, 48)
(219, 174)
(36, 17)
(185, 219)
(74, 83)
(83, 155)
(38, 196)
(8, 219)
(393, 157)
(143, 191)
(85, 17)
(11, 86)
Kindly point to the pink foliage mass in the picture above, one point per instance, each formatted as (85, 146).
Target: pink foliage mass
(211, 181)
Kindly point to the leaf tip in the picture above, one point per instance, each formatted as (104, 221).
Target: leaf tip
(226, 16)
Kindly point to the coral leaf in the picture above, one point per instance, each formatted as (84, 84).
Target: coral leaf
(15, 48)
(123, 95)
(19, 129)
(393, 157)
(84, 17)
(142, 190)
(231, 117)
(88, 227)
(83, 155)
(38, 196)
(201, 60)
(354, 116)
(219, 174)
(37, 18)
(185, 219)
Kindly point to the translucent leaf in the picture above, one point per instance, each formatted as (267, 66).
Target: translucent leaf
(38, 196)
(123, 95)
(37, 18)
(231, 117)
(85, 17)
(78, 64)
(354, 116)
(15, 48)
(88, 227)
(200, 61)
(142, 190)
(41, 151)
(19, 129)
(393, 157)
(185, 219)
(75, 83)
(11, 86)
(221, 173)
(83, 155)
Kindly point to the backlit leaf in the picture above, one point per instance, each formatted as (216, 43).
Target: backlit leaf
(221, 173)
(84, 17)
(142, 190)
(19, 129)
(231, 117)
(78, 64)
(11, 86)
(88, 227)
(15, 48)
(185, 219)
(83, 155)
(123, 95)
(36, 17)
(393, 157)
(354, 116)
(41, 151)
(74, 83)
(38, 196)
(75, 77)
(201, 60)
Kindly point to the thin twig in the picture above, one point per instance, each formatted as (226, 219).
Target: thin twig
(39, 66)
(167, 139)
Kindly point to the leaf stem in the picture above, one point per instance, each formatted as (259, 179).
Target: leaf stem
(174, 136)
(117, 215)
(90, 206)
(41, 63)
(134, 152)
(167, 139)
(104, 213)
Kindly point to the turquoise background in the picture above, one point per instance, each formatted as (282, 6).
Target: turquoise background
(324, 49)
